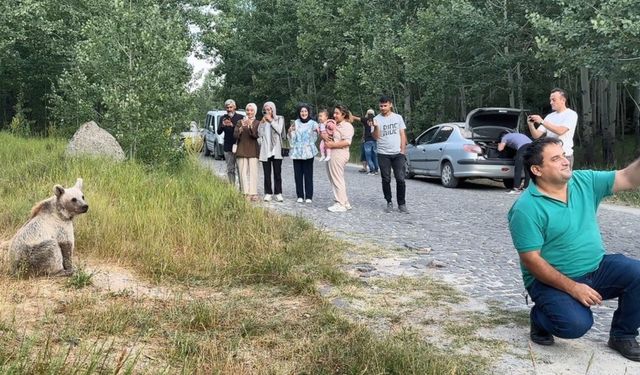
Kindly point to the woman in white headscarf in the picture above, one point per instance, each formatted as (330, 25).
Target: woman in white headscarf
(246, 133)
(270, 139)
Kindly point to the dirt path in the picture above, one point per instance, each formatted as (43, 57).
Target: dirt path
(455, 245)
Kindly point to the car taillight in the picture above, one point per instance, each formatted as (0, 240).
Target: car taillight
(472, 148)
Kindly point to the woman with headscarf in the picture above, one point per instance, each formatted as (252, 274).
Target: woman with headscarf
(303, 135)
(247, 151)
(270, 139)
(342, 136)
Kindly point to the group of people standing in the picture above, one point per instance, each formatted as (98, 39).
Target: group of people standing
(248, 141)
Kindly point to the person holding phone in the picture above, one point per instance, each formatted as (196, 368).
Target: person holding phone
(303, 135)
(270, 140)
(227, 122)
(561, 123)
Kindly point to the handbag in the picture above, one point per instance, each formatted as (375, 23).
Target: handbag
(234, 148)
(284, 141)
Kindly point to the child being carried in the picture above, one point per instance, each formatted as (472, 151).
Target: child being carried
(327, 126)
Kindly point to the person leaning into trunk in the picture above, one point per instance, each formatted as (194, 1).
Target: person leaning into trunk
(561, 123)
(228, 121)
(520, 143)
(389, 133)
(564, 266)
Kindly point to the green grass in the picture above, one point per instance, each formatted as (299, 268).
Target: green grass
(188, 226)
(80, 279)
(255, 309)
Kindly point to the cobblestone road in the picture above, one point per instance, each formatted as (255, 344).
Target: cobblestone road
(465, 227)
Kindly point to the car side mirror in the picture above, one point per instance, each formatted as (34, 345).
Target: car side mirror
(413, 141)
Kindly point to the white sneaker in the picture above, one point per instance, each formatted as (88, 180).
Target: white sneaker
(308, 201)
(300, 200)
(327, 158)
(514, 191)
(279, 198)
(321, 158)
(348, 206)
(337, 208)
(267, 197)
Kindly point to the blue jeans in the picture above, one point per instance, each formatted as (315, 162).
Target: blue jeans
(370, 150)
(561, 315)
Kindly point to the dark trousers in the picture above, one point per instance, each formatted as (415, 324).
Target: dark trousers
(397, 162)
(267, 166)
(303, 174)
(561, 315)
(518, 167)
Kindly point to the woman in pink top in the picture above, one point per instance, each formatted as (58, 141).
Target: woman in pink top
(339, 145)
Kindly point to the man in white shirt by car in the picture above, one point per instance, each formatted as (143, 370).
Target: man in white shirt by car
(389, 132)
(561, 123)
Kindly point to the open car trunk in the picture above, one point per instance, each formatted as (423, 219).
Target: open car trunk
(485, 125)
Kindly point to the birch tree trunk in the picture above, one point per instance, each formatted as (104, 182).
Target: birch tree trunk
(587, 117)
(636, 118)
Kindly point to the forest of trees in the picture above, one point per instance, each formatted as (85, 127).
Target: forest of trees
(123, 63)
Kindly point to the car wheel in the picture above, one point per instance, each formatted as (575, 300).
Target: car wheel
(508, 183)
(205, 149)
(446, 176)
(407, 170)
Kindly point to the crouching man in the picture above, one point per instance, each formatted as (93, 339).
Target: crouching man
(564, 266)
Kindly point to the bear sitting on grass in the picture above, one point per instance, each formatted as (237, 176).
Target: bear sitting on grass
(44, 245)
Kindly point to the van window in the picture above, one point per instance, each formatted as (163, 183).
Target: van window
(209, 122)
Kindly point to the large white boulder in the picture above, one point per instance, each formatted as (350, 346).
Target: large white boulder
(90, 139)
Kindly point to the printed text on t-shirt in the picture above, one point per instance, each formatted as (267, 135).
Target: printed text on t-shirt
(390, 129)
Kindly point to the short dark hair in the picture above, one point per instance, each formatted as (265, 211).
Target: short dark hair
(533, 154)
(561, 91)
(385, 99)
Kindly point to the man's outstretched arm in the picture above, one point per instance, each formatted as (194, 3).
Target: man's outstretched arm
(545, 273)
(628, 178)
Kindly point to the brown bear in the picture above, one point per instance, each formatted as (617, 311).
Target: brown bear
(44, 245)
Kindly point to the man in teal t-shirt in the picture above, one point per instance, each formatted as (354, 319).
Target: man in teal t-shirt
(564, 266)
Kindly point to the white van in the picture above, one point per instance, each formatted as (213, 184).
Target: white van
(213, 142)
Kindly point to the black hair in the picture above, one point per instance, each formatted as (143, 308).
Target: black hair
(385, 99)
(533, 154)
(344, 110)
(563, 93)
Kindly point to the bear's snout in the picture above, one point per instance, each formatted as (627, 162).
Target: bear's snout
(84, 208)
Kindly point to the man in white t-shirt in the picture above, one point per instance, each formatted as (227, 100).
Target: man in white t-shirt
(389, 132)
(561, 123)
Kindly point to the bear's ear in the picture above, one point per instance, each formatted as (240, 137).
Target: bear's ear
(79, 183)
(58, 190)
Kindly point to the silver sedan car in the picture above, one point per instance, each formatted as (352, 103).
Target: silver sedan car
(463, 150)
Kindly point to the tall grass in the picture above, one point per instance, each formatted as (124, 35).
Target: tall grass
(187, 226)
